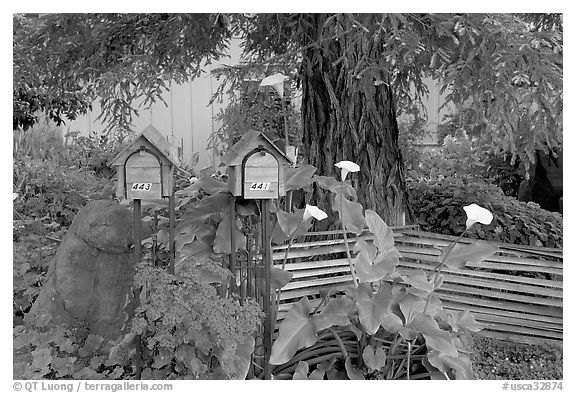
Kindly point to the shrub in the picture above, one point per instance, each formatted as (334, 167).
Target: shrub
(48, 190)
(496, 359)
(438, 208)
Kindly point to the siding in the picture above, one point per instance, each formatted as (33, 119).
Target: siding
(188, 120)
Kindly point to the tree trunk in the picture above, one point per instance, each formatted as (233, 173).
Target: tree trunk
(348, 113)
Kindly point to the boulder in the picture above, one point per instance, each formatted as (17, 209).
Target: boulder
(90, 278)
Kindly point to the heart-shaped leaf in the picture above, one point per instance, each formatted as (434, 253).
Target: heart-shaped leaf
(436, 338)
(235, 358)
(373, 310)
(464, 320)
(334, 186)
(337, 312)
(369, 248)
(383, 235)
(301, 371)
(350, 214)
(353, 372)
(473, 252)
(420, 281)
(363, 267)
(206, 183)
(299, 177)
(296, 331)
(374, 358)
(289, 221)
(222, 241)
(279, 278)
(460, 364)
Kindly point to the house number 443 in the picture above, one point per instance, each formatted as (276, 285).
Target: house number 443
(141, 186)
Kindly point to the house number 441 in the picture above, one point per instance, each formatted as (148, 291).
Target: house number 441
(259, 186)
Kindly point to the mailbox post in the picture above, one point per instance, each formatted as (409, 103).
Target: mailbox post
(146, 172)
(255, 169)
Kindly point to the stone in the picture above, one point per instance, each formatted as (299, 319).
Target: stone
(90, 278)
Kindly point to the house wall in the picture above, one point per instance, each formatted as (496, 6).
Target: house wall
(188, 120)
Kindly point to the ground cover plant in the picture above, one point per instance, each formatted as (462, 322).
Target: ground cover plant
(496, 359)
(347, 340)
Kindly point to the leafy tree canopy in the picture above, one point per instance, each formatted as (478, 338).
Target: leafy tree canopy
(503, 70)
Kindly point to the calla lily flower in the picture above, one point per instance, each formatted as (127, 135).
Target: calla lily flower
(476, 214)
(347, 166)
(313, 211)
(276, 81)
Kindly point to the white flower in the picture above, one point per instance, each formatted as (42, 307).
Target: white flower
(14, 196)
(313, 211)
(476, 214)
(276, 81)
(347, 166)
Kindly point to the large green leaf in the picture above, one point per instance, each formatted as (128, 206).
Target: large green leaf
(206, 183)
(369, 248)
(351, 214)
(374, 358)
(336, 312)
(420, 281)
(352, 372)
(279, 278)
(299, 177)
(296, 331)
(301, 372)
(460, 364)
(375, 309)
(235, 358)
(222, 241)
(435, 337)
(210, 206)
(334, 186)
(363, 268)
(383, 235)
(464, 320)
(289, 221)
(473, 252)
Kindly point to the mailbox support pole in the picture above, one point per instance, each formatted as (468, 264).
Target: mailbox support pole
(267, 261)
(137, 258)
(171, 223)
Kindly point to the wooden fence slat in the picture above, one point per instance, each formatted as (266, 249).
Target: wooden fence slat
(503, 313)
(524, 330)
(500, 295)
(493, 284)
(519, 338)
(500, 304)
(485, 274)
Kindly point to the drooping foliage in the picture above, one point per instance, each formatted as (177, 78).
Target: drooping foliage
(64, 62)
(357, 72)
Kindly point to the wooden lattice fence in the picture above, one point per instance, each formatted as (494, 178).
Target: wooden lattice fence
(516, 293)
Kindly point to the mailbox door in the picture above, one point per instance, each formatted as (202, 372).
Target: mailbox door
(261, 176)
(143, 176)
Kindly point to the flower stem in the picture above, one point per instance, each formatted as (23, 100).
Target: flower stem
(348, 255)
(438, 268)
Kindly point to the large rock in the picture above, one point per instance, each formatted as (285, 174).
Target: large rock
(90, 277)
